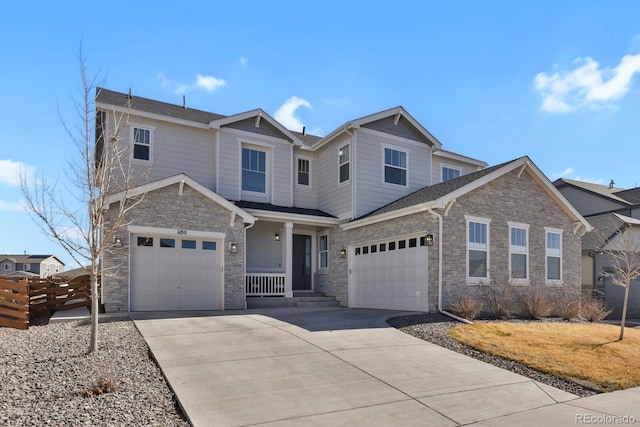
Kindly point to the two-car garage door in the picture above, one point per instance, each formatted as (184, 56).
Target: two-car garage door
(389, 275)
(175, 273)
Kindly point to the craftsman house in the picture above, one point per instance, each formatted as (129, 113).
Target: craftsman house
(375, 214)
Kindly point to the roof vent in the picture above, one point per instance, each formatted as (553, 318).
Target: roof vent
(184, 101)
(611, 184)
(304, 130)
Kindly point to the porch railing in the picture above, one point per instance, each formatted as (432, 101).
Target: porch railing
(265, 284)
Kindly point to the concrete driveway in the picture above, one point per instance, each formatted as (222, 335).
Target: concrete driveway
(338, 366)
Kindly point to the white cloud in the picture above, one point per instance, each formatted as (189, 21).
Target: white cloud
(10, 172)
(164, 82)
(209, 83)
(286, 113)
(586, 85)
(12, 206)
(244, 61)
(569, 173)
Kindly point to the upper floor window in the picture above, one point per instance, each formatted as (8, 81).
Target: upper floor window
(304, 172)
(477, 248)
(395, 167)
(519, 251)
(323, 251)
(26, 267)
(254, 170)
(141, 144)
(449, 173)
(553, 254)
(343, 162)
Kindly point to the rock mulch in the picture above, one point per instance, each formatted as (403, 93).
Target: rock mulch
(47, 379)
(433, 328)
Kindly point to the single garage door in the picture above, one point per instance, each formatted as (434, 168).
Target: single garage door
(389, 275)
(169, 273)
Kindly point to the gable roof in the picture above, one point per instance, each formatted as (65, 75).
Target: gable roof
(398, 112)
(631, 195)
(606, 227)
(180, 179)
(259, 114)
(589, 187)
(438, 196)
(29, 259)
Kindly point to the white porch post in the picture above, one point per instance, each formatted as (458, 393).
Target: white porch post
(288, 255)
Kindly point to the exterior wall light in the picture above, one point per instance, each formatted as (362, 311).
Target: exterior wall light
(276, 237)
(427, 240)
(117, 241)
(343, 252)
(233, 247)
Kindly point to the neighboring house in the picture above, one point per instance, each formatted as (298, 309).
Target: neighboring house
(375, 214)
(30, 265)
(610, 210)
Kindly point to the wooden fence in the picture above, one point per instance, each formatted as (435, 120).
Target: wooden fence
(23, 300)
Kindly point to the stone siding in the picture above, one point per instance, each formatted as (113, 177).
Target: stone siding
(165, 208)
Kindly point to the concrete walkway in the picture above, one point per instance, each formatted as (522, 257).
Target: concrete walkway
(337, 366)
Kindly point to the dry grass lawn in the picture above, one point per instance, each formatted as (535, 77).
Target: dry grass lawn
(589, 353)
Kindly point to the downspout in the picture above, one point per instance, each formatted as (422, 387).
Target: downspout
(244, 270)
(440, 246)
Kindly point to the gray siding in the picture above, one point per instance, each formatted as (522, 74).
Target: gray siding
(588, 204)
(279, 167)
(175, 149)
(306, 197)
(332, 197)
(439, 162)
(371, 191)
(403, 129)
(265, 128)
(264, 254)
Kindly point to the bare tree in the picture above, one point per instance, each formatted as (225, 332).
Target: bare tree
(623, 252)
(102, 168)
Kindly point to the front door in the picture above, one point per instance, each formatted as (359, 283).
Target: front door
(301, 262)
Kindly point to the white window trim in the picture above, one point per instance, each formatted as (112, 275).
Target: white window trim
(444, 165)
(406, 169)
(487, 221)
(268, 149)
(310, 160)
(151, 129)
(26, 266)
(347, 162)
(320, 267)
(552, 281)
(525, 280)
(8, 267)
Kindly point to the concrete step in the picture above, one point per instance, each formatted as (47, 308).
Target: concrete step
(269, 302)
(333, 303)
(313, 298)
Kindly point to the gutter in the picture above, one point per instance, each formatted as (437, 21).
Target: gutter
(440, 246)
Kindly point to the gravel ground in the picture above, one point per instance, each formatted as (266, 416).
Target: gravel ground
(46, 378)
(434, 327)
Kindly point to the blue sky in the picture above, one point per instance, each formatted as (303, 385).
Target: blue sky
(494, 80)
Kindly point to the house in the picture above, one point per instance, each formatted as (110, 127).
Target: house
(612, 211)
(376, 214)
(30, 265)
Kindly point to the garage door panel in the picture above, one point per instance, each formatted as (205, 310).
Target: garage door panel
(175, 278)
(389, 279)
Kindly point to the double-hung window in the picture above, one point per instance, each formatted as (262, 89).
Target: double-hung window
(395, 167)
(141, 144)
(449, 173)
(519, 251)
(477, 248)
(323, 251)
(304, 172)
(553, 255)
(343, 163)
(254, 170)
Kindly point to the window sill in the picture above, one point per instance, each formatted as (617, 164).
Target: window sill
(554, 282)
(520, 282)
(477, 281)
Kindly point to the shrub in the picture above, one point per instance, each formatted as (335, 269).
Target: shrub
(567, 305)
(102, 386)
(593, 309)
(536, 304)
(498, 296)
(466, 307)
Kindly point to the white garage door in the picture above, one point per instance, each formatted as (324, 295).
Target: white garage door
(389, 275)
(169, 273)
